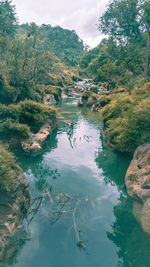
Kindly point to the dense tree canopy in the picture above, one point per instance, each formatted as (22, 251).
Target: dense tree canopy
(128, 21)
(33, 57)
(125, 54)
(7, 18)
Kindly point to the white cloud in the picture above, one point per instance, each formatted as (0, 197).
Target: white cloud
(80, 15)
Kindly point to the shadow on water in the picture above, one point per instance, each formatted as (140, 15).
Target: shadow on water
(133, 245)
(13, 248)
(17, 241)
(114, 166)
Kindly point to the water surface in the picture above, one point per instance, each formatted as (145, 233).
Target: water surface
(80, 215)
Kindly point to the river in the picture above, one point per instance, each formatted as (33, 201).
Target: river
(80, 214)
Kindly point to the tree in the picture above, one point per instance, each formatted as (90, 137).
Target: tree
(146, 19)
(127, 21)
(7, 19)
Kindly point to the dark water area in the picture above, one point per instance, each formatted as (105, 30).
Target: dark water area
(80, 214)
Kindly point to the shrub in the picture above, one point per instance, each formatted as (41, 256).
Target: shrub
(21, 118)
(86, 95)
(35, 115)
(8, 168)
(103, 100)
(54, 90)
(94, 89)
(10, 129)
(11, 111)
(141, 92)
(116, 107)
(127, 119)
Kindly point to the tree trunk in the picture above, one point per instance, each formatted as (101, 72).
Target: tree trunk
(147, 55)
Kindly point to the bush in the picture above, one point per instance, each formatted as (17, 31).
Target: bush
(10, 129)
(94, 89)
(141, 92)
(8, 168)
(127, 119)
(54, 90)
(35, 115)
(103, 100)
(116, 107)
(11, 111)
(86, 95)
(24, 117)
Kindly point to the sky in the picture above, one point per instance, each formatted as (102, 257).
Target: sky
(79, 15)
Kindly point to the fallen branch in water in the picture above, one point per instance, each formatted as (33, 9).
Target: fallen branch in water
(80, 243)
(58, 203)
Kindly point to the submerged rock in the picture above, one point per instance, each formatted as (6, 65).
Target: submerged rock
(138, 185)
(35, 142)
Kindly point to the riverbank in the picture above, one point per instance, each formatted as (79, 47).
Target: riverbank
(70, 181)
(14, 202)
(126, 120)
(26, 125)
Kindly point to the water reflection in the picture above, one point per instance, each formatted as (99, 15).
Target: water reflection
(114, 166)
(24, 160)
(79, 208)
(126, 234)
(14, 246)
(13, 234)
(133, 246)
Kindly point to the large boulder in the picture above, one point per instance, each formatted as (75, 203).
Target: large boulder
(138, 185)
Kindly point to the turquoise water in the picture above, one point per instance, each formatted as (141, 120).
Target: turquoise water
(80, 215)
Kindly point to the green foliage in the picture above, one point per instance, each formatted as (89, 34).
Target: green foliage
(54, 90)
(103, 100)
(35, 114)
(8, 169)
(146, 15)
(10, 129)
(86, 95)
(94, 96)
(34, 57)
(7, 19)
(64, 43)
(94, 89)
(127, 21)
(117, 107)
(25, 117)
(122, 19)
(125, 55)
(115, 64)
(127, 119)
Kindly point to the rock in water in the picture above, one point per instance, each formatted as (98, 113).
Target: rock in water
(138, 185)
(34, 144)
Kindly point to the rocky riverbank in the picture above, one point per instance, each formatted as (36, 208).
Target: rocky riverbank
(14, 202)
(124, 116)
(138, 185)
(35, 142)
(27, 125)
